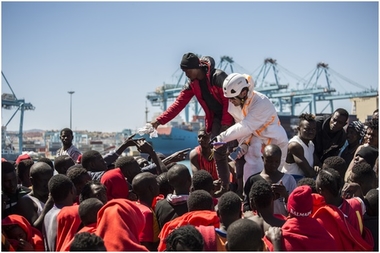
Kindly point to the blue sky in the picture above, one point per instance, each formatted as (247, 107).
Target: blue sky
(113, 53)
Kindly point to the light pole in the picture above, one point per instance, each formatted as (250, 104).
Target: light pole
(71, 107)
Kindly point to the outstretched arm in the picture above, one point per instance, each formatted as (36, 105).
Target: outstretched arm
(144, 147)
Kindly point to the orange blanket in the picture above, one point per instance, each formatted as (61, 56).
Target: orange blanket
(119, 223)
(68, 223)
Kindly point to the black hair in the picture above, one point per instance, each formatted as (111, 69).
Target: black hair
(202, 180)
(342, 112)
(337, 163)
(79, 165)
(62, 163)
(89, 157)
(178, 175)
(163, 183)
(245, 235)
(24, 167)
(60, 187)
(229, 204)
(261, 194)
(86, 241)
(125, 161)
(87, 193)
(88, 210)
(364, 174)
(187, 236)
(200, 200)
(7, 167)
(308, 181)
(373, 124)
(68, 130)
(142, 182)
(75, 174)
(306, 116)
(371, 200)
(46, 160)
(40, 168)
(203, 129)
(330, 180)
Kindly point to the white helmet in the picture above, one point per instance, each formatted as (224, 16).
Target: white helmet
(234, 84)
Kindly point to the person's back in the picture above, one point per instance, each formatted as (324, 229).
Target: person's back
(201, 213)
(146, 188)
(175, 204)
(364, 175)
(63, 163)
(244, 235)
(300, 231)
(337, 163)
(119, 223)
(32, 204)
(346, 237)
(329, 184)
(261, 199)
(79, 176)
(202, 180)
(63, 193)
(229, 210)
(371, 217)
(185, 238)
(115, 183)
(87, 242)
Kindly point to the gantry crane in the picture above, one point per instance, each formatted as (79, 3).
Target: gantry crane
(10, 101)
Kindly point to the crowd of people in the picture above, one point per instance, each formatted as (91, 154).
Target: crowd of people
(317, 191)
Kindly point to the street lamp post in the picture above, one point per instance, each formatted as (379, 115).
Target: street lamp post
(71, 103)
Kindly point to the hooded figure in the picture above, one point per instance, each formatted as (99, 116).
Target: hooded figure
(32, 235)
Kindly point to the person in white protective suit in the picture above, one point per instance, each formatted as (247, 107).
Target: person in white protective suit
(256, 123)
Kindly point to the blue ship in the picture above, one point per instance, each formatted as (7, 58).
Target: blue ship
(172, 139)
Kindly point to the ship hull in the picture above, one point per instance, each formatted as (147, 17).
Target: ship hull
(172, 139)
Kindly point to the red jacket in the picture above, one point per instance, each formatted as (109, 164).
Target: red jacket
(215, 78)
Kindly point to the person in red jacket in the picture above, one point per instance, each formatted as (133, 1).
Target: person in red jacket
(206, 84)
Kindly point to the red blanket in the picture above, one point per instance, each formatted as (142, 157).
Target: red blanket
(306, 234)
(119, 223)
(115, 183)
(33, 235)
(68, 224)
(195, 218)
(346, 236)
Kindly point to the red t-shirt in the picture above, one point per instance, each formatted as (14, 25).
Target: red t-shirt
(151, 229)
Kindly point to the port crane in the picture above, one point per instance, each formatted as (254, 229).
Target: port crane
(10, 101)
(312, 92)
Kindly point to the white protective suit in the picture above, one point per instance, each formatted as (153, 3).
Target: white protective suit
(257, 124)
